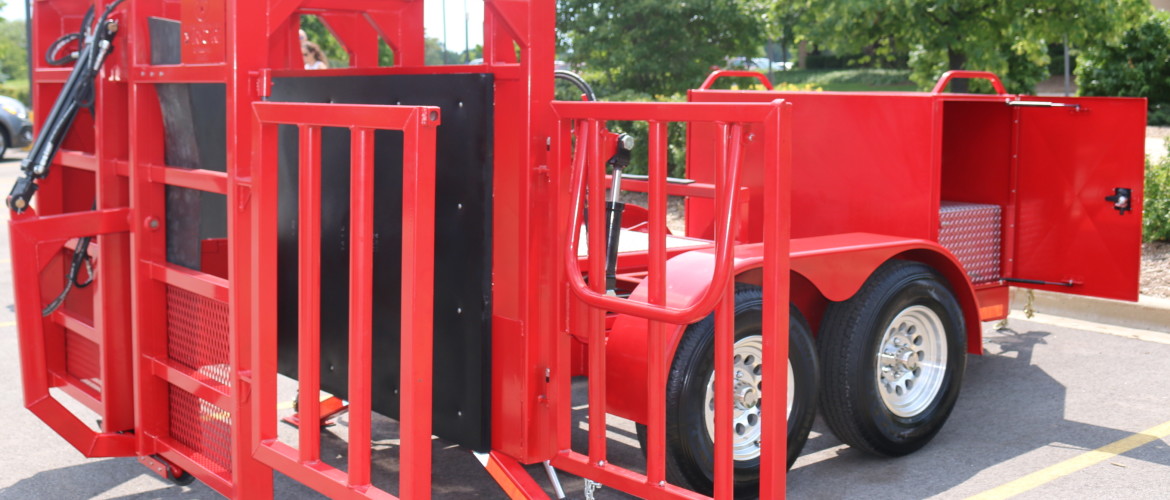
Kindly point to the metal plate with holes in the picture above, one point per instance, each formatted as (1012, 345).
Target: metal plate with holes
(974, 233)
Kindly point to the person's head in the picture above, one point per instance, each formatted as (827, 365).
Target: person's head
(313, 55)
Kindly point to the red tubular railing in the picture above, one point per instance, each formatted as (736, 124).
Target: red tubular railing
(36, 242)
(588, 171)
(304, 463)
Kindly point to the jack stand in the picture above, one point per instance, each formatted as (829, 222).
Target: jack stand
(330, 407)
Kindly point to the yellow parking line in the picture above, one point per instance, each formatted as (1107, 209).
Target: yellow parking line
(1075, 464)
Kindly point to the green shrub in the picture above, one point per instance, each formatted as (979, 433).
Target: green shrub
(872, 77)
(1156, 219)
(17, 89)
(676, 136)
(863, 76)
(1139, 66)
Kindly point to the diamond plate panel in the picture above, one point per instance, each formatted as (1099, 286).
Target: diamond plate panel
(974, 233)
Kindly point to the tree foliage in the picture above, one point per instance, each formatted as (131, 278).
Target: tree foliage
(657, 46)
(1137, 66)
(13, 50)
(319, 33)
(1008, 37)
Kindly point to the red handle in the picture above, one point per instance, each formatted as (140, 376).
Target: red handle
(723, 243)
(986, 75)
(715, 75)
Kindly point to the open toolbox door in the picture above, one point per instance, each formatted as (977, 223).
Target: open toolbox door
(1069, 161)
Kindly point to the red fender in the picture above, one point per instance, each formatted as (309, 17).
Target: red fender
(836, 265)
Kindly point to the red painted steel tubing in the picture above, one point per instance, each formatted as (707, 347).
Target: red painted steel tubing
(656, 365)
(777, 242)
(724, 343)
(727, 73)
(723, 244)
(417, 328)
(361, 293)
(597, 413)
(985, 75)
(309, 293)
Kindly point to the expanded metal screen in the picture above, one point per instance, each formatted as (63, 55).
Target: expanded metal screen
(203, 428)
(197, 334)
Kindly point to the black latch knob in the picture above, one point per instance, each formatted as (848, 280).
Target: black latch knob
(1121, 200)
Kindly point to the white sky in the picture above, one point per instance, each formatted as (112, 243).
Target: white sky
(457, 11)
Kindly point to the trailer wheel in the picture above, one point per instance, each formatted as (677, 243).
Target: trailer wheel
(690, 397)
(894, 356)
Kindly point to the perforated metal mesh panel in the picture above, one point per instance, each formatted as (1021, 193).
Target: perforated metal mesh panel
(197, 334)
(974, 233)
(202, 427)
(81, 360)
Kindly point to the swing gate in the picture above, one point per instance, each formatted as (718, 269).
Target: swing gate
(741, 126)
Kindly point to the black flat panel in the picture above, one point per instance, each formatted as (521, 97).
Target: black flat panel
(462, 244)
(194, 121)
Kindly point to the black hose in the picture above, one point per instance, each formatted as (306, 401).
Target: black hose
(60, 43)
(577, 81)
(80, 256)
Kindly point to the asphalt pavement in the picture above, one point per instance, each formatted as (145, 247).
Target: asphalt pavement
(1052, 409)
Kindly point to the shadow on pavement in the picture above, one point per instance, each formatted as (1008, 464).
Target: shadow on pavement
(1009, 407)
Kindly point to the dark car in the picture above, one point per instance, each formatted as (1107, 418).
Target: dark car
(15, 129)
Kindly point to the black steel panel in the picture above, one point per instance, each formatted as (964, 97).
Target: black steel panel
(194, 121)
(462, 247)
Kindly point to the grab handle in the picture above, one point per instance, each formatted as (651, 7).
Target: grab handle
(985, 75)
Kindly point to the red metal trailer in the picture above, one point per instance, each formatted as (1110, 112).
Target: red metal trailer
(254, 223)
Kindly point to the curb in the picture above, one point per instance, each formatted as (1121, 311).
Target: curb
(1148, 313)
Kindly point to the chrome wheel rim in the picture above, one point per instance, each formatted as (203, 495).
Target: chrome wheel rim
(748, 386)
(911, 361)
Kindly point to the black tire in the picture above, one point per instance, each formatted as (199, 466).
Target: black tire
(689, 448)
(4, 142)
(851, 334)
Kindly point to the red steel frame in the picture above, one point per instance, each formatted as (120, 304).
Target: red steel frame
(418, 218)
(540, 301)
(588, 170)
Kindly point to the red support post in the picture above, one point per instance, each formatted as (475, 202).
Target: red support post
(777, 242)
(418, 271)
(309, 293)
(361, 310)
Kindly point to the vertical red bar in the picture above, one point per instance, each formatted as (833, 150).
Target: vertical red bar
(245, 52)
(309, 294)
(265, 193)
(656, 365)
(724, 328)
(562, 394)
(418, 265)
(361, 290)
(777, 233)
(597, 206)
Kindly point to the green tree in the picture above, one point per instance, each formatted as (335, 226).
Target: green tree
(1137, 66)
(1008, 37)
(13, 50)
(338, 58)
(657, 46)
(319, 34)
